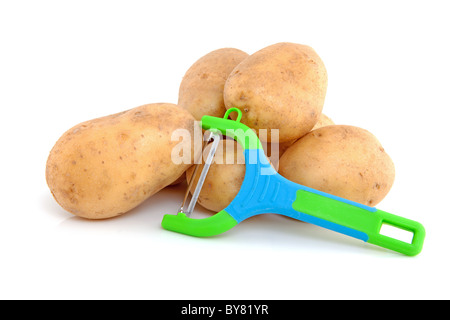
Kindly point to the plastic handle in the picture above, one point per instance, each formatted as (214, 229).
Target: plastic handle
(357, 220)
(270, 192)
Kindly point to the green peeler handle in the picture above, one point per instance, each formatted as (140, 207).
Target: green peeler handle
(357, 220)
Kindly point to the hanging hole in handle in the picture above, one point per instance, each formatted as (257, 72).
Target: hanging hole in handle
(394, 232)
(239, 112)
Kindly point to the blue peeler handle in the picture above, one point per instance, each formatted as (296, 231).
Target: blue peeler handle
(265, 191)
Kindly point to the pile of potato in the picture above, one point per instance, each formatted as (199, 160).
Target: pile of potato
(105, 167)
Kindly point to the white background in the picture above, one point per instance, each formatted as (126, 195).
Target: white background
(64, 62)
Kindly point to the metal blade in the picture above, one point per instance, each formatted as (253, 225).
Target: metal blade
(201, 179)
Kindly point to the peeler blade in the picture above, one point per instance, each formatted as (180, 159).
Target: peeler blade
(190, 207)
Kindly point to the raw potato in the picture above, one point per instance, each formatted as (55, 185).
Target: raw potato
(201, 90)
(345, 161)
(282, 86)
(107, 166)
(224, 178)
(282, 147)
(323, 121)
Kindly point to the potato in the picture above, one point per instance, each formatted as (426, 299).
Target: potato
(323, 121)
(107, 166)
(282, 147)
(224, 178)
(342, 160)
(282, 87)
(201, 90)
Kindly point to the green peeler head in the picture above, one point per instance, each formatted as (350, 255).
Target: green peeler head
(221, 221)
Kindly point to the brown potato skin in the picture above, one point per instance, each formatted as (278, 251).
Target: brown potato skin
(323, 121)
(107, 166)
(201, 90)
(282, 86)
(282, 147)
(342, 160)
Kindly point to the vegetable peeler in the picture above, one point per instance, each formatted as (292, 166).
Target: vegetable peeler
(265, 191)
